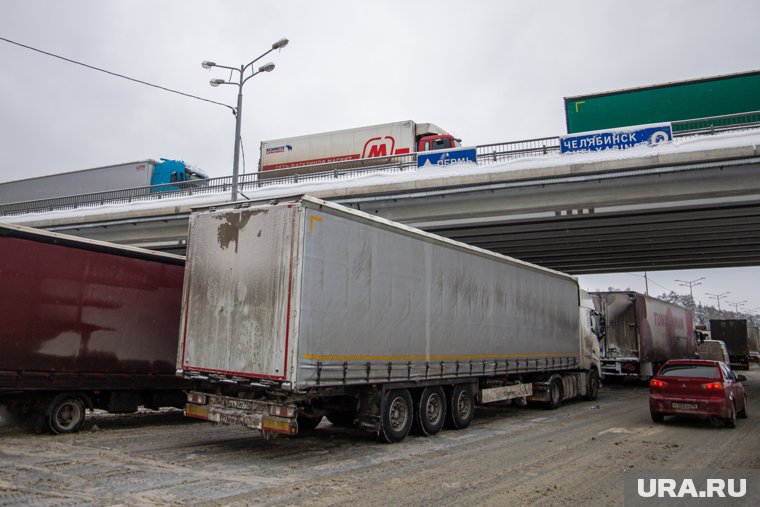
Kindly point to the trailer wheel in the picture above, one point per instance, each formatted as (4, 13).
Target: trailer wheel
(555, 394)
(65, 414)
(398, 414)
(461, 406)
(430, 411)
(592, 385)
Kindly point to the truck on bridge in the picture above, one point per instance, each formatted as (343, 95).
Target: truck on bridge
(735, 333)
(640, 333)
(363, 145)
(717, 101)
(164, 175)
(85, 325)
(303, 309)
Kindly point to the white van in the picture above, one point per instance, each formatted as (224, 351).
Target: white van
(713, 350)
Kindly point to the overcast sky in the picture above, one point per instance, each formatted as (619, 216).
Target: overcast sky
(487, 71)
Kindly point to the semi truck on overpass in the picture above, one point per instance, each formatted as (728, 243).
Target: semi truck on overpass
(162, 176)
(708, 97)
(352, 147)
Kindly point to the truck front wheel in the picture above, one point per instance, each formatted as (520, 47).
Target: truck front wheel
(592, 385)
(66, 414)
(555, 394)
(397, 416)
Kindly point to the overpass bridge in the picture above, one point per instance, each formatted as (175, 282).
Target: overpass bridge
(695, 204)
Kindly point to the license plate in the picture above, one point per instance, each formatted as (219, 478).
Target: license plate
(685, 406)
(229, 419)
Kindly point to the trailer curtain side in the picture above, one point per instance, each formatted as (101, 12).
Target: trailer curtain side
(315, 294)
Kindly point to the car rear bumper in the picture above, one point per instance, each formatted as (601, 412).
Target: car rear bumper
(705, 407)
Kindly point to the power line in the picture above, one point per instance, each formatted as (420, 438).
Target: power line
(115, 74)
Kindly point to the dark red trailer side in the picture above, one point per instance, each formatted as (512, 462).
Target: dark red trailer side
(86, 324)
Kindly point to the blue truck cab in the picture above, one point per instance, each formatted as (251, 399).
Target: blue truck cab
(171, 175)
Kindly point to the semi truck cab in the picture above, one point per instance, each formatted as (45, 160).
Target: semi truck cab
(591, 332)
(171, 175)
(438, 142)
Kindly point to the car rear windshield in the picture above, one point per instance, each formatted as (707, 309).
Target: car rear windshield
(690, 370)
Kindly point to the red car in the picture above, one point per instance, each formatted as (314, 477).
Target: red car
(697, 388)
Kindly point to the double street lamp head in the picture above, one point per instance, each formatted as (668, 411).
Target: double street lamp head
(238, 111)
(267, 67)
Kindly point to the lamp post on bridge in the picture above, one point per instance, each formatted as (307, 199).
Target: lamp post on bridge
(268, 67)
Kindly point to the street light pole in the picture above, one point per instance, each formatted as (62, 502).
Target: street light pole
(691, 284)
(238, 123)
(736, 306)
(718, 297)
(269, 67)
(751, 314)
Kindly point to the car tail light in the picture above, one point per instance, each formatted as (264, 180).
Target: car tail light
(712, 386)
(657, 383)
(629, 367)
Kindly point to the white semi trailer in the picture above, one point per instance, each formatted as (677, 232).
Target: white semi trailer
(301, 309)
(354, 147)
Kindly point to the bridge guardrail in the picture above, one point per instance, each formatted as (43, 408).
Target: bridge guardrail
(486, 155)
(716, 124)
(500, 152)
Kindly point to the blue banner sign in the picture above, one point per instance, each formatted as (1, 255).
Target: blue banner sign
(447, 157)
(617, 139)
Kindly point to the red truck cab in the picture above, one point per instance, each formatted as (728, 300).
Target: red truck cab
(438, 142)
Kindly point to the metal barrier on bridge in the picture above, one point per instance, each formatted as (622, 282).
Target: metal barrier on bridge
(486, 155)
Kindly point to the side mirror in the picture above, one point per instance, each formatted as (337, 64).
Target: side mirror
(741, 378)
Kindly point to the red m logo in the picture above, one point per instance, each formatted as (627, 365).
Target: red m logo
(379, 147)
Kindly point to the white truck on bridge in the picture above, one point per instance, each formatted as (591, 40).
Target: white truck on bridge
(357, 144)
(303, 309)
